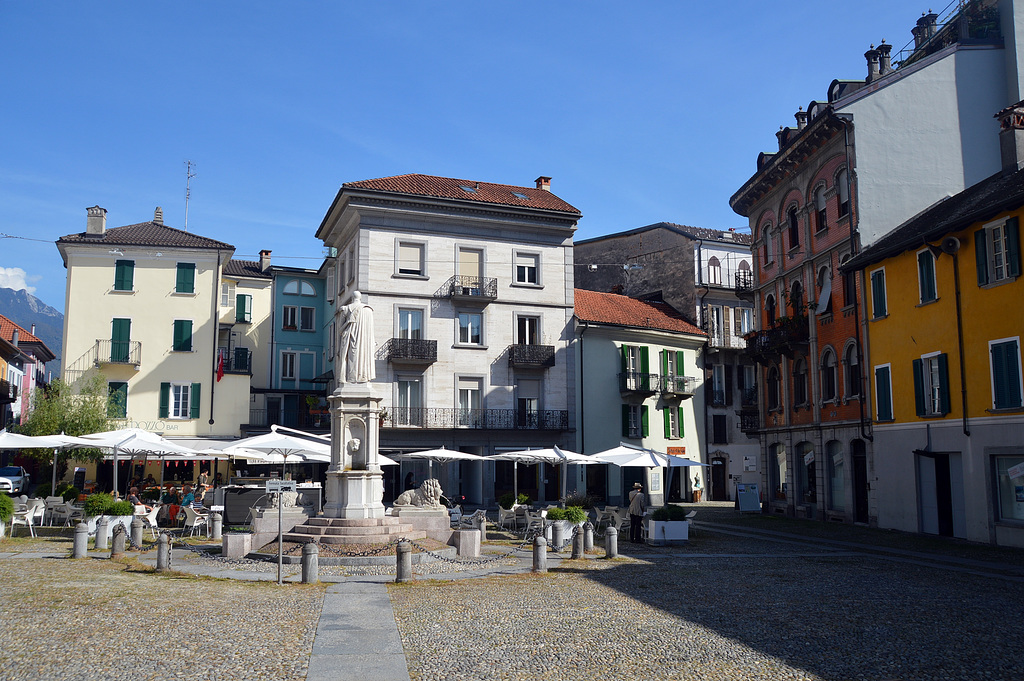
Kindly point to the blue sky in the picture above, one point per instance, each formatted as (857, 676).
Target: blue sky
(640, 112)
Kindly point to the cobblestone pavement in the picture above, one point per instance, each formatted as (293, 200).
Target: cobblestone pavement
(738, 601)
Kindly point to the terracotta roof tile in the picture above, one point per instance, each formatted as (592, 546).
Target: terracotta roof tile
(244, 268)
(7, 328)
(451, 188)
(147, 234)
(611, 308)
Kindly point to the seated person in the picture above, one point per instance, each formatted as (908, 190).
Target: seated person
(134, 500)
(171, 496)
(200, 495)
(188, 495)
(150, 481)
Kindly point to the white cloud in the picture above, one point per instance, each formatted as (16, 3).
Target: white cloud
(15, 278)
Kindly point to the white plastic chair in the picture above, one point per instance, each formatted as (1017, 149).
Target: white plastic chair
(67, 513)
(507, 516)
(150, 518)
(51, 505)
(33, 511)
(193, 520)
(535, 521)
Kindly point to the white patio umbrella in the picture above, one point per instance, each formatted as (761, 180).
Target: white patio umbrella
(278, 447)
(132, 441)
(554, 455)
(630, 455)
(440, 455)
(54, 442)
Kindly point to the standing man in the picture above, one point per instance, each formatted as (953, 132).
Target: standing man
(637, 507)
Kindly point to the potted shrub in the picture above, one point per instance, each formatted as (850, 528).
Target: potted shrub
(568, 518)
(668, 524)
(6, 511)
(118, 512)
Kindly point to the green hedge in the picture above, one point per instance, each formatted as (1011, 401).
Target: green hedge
(97, 504)
(6, 508)
(669, 512)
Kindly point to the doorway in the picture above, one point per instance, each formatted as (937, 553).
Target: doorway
(860, 481)
(719, 488)
(940, 494)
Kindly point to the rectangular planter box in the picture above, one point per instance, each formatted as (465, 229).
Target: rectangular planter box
(665, 532)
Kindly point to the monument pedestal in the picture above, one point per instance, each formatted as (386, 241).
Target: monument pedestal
(355, 484)
(434, 521)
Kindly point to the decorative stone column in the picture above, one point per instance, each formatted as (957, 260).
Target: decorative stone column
(355, 483)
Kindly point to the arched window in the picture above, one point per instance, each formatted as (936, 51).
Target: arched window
(852, 370)
(796, 298)
(298, 287)
(794, 228)
(824, 291)
(828, 375)
(769, 247)
(772, 388)
(821, 216)
(800, 382)
(843, 190)
(714, 271)
(769, 309)
(744, 277)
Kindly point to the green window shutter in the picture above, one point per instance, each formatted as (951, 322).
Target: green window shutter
(645, 368)
(883, 392)
(120, 339)
(667, 419)
(679, 363)
(943, 383)
(1006, 375)
(186, 278)
(919, 396)
(926, 275)
(981, 256)
(878, 293)
(625, 358)
(240, 308)
(193, 404)
(679, 417)
(182, 335)
(1013, 247)
(664, 362)
(165, 399)
(124, 275)
(625, 420)
(644, 424)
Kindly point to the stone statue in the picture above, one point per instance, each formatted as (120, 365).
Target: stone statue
(428, 495)
(356, 347)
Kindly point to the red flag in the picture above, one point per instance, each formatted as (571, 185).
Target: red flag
(220, 368)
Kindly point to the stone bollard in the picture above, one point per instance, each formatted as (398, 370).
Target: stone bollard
(557, 536)
(217, 523)
(163, 552)
(540, 554)
(103, 533)
(403, 562)
(117, 550)
(588, 536)
(81, 544)
(611, 543)
(577, 545)
(310, 563)
(137, 530)
(480, 522)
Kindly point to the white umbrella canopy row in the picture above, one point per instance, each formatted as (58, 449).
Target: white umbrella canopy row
(552, 455)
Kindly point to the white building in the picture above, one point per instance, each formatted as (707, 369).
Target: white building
(471, 284)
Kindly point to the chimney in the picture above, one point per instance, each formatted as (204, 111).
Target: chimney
(925, 29)
(14, 338)
(872, 56)
(264, 260)
(781, 134)
(884, 58)
(543, 183)
(1011, 137)
(158, 215)
(33, 330)
(96, 221)
(801, 118)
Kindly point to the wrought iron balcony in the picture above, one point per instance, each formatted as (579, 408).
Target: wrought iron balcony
(744, 280)
(8, 392)
(787, 336)
(410, 351)
(748, 398)
(531, 356)
(118, 352)
(636, 382)
(750, 421)
(716, 398)
(483, 419)
(477, 289)
(236, 361)
(678, 386)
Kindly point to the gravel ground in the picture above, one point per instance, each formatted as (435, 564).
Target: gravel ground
(101, 619)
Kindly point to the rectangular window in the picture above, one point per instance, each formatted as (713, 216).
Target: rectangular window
(289, 318)
(185, 280)
(718, 385)
(1009, 471)
(634, 421)
(124, 275)
(636, 367)
(330, 341)
(227, 293)
(352, 262)
(527, 268)
(288, 366)
(243, 308)
(878, 301)
(931, 385)
(410, 323)
(1006, 374)
(926, 276)
(673, 422)
(179, 400)
(409, 401)
(470, 328)
(997, 251)
(746, 320)
(527, 403)
(307, 318)
(182, 335)
(528, 330)
(720, 434)
(883, 393)
(117, 400)
(330, 284)
(410, 258)
(469, 402)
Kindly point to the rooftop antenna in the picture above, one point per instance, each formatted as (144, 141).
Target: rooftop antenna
(189, 174)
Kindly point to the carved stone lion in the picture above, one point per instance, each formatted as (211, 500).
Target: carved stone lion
(428, 495)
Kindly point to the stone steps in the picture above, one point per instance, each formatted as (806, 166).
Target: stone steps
(353, 531)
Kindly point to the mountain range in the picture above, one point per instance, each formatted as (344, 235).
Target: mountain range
(24, 309)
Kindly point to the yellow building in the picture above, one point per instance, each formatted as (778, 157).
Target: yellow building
(944, 329)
